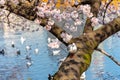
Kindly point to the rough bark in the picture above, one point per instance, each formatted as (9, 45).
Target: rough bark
(73, 67)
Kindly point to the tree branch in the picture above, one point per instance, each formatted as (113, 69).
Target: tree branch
(106, 10)
(107, 30)
(108, 55)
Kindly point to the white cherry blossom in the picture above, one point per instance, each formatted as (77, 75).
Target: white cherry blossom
(67, 25)
(73, 28)
(48, 27)
(94, 21)
(74, 14)
(77, 22)
(54, 45)
(66, 37)
(37, 21)
(41, 14)
(51, 22)
(2, 2)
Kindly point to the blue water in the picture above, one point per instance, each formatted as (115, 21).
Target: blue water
(13, 67)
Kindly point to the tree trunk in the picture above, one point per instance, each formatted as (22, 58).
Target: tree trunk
(72, 67)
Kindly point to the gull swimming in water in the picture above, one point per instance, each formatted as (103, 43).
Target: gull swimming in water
(36, 50)
(22, 39)
(13, 44)
(28, 48)
(28, 64)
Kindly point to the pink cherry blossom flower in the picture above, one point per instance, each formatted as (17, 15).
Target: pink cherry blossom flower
(2, 2)
(74, 14)
(89, 15)
(48, 13)
(94, 21)
(73, 28)
(51, 22)
(67, 25)
(54, 45)
(77, 22)
(58, 17)
(43, 4)
(48, 27)
(55, 11)
(86, 9)
(37, 21)
(41, 14)
(66, 37)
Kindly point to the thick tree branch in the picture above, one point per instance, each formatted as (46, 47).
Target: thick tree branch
(108, 55)
(25, 9)
(107, 30)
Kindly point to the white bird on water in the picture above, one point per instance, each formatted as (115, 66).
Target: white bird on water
(13, 44)
(28, 48)
(49, 40)
(22, 39)
(36, 50)
(28, 64)
(56, 52)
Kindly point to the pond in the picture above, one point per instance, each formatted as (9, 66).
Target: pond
(13, 66)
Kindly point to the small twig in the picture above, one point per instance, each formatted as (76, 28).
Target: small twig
(108, 55)
(106, 10)
(8, 19)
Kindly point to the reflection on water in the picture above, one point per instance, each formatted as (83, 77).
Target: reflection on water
(103, 68)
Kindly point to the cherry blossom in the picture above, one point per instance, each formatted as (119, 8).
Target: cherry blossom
(37, 21)
(55, 11)
(48, 27)
(2, 2)
(41, 14)
(66, 37)
(86, 8)
(51, 22)
(67, 25)
(74, 14)
(58, 17)
(73, 28)
(89, 15)
(77, 22)
(65, 15)
(43, 4)
(53, 43)
(94, 21)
